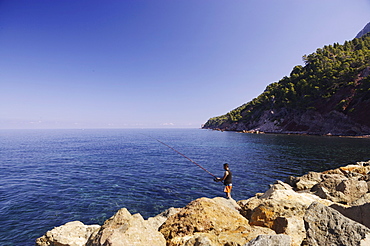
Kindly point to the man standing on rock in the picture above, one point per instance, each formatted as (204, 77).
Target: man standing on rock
(227, 180)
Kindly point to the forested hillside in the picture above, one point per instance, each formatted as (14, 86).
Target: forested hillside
(330, 94)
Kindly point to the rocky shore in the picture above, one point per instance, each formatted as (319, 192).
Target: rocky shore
(327, 208)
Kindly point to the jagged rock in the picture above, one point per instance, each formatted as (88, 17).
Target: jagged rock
(291, 180)
(242, 235)
(231, 203)
(125, 229)
(238, 237)
(199, 239)
(73, 233)
(359, 213)
(278, 185)
(247, 206)
(353, 189)
(340, 189)
(281, 209)
(267, 212)
(307, 181)
(292, 226)
(360, 168)
(362, 200)
(365, 163)
(211, 221)
(334, 171)
(202, 215)
(270, 240)
(327, 188)
(281, 216)
(326, 226)
(158, 220)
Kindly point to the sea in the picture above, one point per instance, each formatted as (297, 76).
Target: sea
(51, 177)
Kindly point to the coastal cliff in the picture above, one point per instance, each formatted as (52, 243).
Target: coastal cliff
(327, 208)
(329, 95)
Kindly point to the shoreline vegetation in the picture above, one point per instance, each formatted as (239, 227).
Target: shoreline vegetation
(319, 208)
(329, 95)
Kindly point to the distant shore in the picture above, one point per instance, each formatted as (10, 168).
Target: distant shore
(288, 133)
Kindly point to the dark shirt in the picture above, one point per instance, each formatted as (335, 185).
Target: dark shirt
(229, 178)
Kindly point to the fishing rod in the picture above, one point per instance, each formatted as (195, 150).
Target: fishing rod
(178, 152)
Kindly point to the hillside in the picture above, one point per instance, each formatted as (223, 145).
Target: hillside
(365, 30)
(329, 95)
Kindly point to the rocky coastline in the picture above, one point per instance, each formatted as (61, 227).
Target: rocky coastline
(318, 208)
(259, 131)
(310, 122)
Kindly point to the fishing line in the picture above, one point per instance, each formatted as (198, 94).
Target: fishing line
(178, 152)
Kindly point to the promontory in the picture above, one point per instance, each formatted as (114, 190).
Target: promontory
(329, 95)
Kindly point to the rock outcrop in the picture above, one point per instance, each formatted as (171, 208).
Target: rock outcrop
(270, 240)
(281, 209)
(126, 229)
(347, 185)
(215, 221)
(326, 226)
(73, 233)
(158, 220)
(327, 208)
(359, 213)
(327, 96)
(310, 122)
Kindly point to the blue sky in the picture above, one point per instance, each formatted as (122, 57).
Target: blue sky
(136, 63)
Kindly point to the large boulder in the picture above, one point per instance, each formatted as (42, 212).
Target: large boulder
(247, 206)
(270, 240)
(309, 180)
(238, 237)
(212, 222)
(364, 199)
(359, 213)
(340, 189)
(326, 226)
(361, 168)
(282, 209)
(73, 233)
(305, 182)
(158, 220)
(353, 189)
(124, 229)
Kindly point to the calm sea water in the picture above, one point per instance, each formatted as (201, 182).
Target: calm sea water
(50, 177)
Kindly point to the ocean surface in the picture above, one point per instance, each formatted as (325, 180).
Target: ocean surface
(51, 177)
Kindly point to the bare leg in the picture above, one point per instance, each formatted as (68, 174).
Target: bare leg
(228, 195)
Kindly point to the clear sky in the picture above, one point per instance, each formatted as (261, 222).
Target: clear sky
(154, 63)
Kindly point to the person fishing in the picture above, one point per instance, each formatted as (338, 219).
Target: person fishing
(227, 180)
